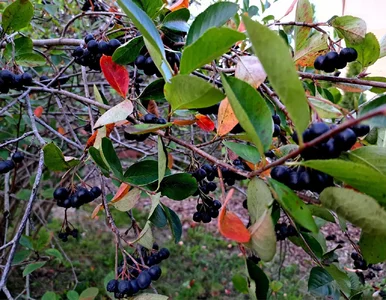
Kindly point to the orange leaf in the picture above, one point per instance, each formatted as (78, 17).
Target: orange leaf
(91, 139)
(122, 191)
(116, 75)
(258, 166)
(96, 211)
(356, 146)
(153, 108)
(204, 122)
(226, 118)
(170, 161)
(183, 122)
(179, 4)
(230, 225)
(109, 128)
(38, 111)
(61, 131)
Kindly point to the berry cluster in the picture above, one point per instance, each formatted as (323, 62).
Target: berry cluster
(9, 80)
(332, 60)
(276, 125)
(147, 65)
(302, 179)
(75, 198)
(283, 231)
(90, 56)
(135, 277)
(64, 234)
(207, 210)
(332, 147)
(8, 165)
(152, 119)
(359, 261)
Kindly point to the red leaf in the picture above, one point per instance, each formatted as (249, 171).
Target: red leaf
(38, 111)
(204, 122)
(116, 75)
(122, 191)
(231, 226)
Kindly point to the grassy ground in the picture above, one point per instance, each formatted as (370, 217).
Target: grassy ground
(200, 267)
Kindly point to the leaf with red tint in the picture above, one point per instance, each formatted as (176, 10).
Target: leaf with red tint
(122, 191)
(230, 225)
(179, 4)
(96, 210)
(91, 139)
(116, 75)
(226, 118)
(183, 122)
(152, 108)
(170, 161)
(61, 131)
(204, 122)
(38, 111)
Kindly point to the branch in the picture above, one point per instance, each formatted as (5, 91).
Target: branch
(17, 139)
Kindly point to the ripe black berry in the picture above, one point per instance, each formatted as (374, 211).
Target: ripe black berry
(96, 192)
(114, 44)
(61, 193)
(78, 52)
(211, 186)
(345, 139)
(206, 218)
(150, 118)
(361, 129)
(280, 173)
(315, 130)
(161, 121)
(150, 68)
(134, 286)
(197, 217)
(18, 157)
(92, 46)
(276, 119)
(214, 213)
(143, 280)
(155, 272)
(75, 202)
(124, 287)
(330, 62)
(140, 62)
(199, 174)
(245, 204)
(26, 79)
(84, 195)
(104, 48)
(88, 38)
(163, 253)
(319, 62)
(112, 286)
(7, 76)
(349, 54)
(216, 204)
(276, 130)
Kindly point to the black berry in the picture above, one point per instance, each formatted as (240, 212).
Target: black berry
(18, 157)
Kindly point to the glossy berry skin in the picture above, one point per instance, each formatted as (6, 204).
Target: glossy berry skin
(216, 204)
(319, 62)
(276, 130)
(124, 287)
(88, 38)
(161, 121)
(26, 79)
(140, 62)
(361, 129)
(341, 63)
(78, 52)
(330, 62)
(155, 272)
(144, 280)
(199, 174)
(114, 43)
(293, 181)
(150, 67)
(134, 286)
(112, 286)
(280, 173)
(83, 195)
(92, 46)
(96, 191)
(206, 218)
(197, 217)
(7, 76)
(75, 202)
(360, 264)
(164, 253)
(345, 139)
(304, 180)
(18, 157)
(104, 48)
(61, 193)
(349, 54)
(276, 119)
(150, 118)
(211, 186)
(214, 213)
(315, 130)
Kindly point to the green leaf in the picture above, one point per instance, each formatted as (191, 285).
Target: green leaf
(314, 46)
(89, 294)
(30, 60)
(322, 284)
(42, 240)
(268, 47)
(240, 283)
(293, 205)
(324, 110)
(146, 128)
(359, 209)
(382, 44)
(247, 152)
(151, 7)
(379, 121)
(214, 16)
(174, 223)
(162, 160)
(25, 241)
(341, 278)
(372, 156)
(373, 247)
(321, 212)
(54, 159)
(251, 110)
(185, 91)
(129, 200)
(368, 50)
(20, 256)
(258, 281)
(145, 238)
(359, 176)
(110, 157)
(22, 45)
(177, 20)
(158, 217)
(142, 173)
(309, 242)
(304, 13)
(376, 90)
(72, 295)
(178, 186)
(25, 194)
(17, 15)
(50, 296)
(128, 52)
(106, 280)
(213, 43)
(353, 29)
(150, 34)
(263, 237)
(276, 286)
(97, 158)
(33, 267)
(115, 114)
(55, 253)
(154, 90)
(259, 198)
